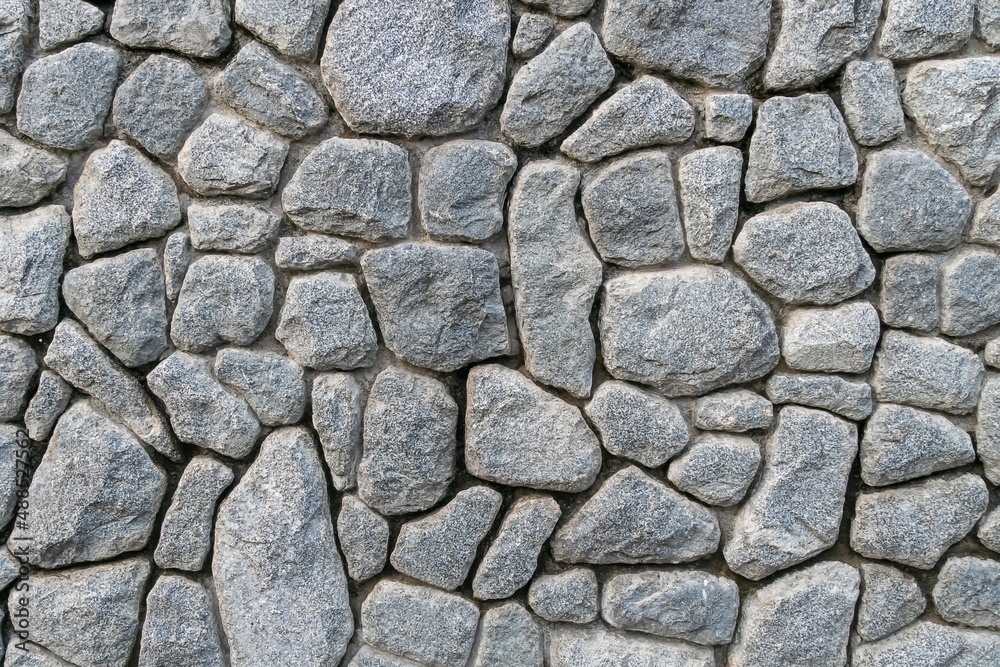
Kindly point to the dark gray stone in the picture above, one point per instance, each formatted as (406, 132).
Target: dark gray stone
(567, 597)
(637, 424)
(828, 392)
(870, 97)
(198, 28)
(66, 21)
(909, 295)
(924, 28)
(509, 636)
(273, 385)
(27, 174)
(32, 246)
(364, 538)
(735, 410)
(563, 8)
(709, 182)
(180, 627)
(313, 252)
(890, 600)
(533, 32)
(717, 468)
(968, 592)
(17, 369)
(45, 407)
(242, 228)
(337, 414)
(832, 340)
(186, 533)
(970, 301)
(986, 222)
(727, 116)
(292, 27)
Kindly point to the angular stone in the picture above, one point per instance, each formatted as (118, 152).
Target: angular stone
(242, 228)
(970, 301)
(533, 32)
(275, 553)
(833, 340)
(988, 532)
(291, 26)
(991, 353)
(924, 28)
(10, 568)
(891, 599)
(337, 415)
(509, 637)
(364, 538)
(45, 407)
(717, 468)
(736, 410)
(32, 246)
(709, 181)
(67, 21)
(369, 657)
(727, 116)
(870, 96)
(909, 294)
(968, 592)
(988, 428)
(596, 646)
(986, 222)
(27, 654)
(519, 434)
(828, 392)
(17, 369)
(15, 28)
(177, 257)
(11, 444)
(180, 626)
(930, 644)
(988, 21)
(186, 533)
(273, 385)
(795, 509)
(637, 424)
(563, 8)
(804, 253)
(27, 174)
(567, 597)
(313, 252)
(198, 28)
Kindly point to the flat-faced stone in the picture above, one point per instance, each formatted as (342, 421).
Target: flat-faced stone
(709, 184)
(596, 646)
(890, 600)
(717, 468)
(180, 627)
(509, 636)
(968, 592)
(338, 404)
(32, 246)
(313, 252)
(986, 222)
(832, 340)
(12, 442)
(364, 538)
(988, 428)
(26, 654)
(17, 369)
(65, 22)
(988, 531)
(370, 657)
(532, 34)
(27, 174)
(637, 424)
(273, 385)
(566, 597)
(991, 353)
(15, 27)
(970, 301)
(242, 228)
(177, 256)
(870, 97)
(925, 643)
(50, 400)
(924, 28)
(829, 392)
(186, 533)
(292, 27)
(909, 294)
(727, 116)
(198, 28)
(736, 410)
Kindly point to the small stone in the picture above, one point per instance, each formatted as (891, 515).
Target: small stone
(968, 592)
(26, 654)
(690, 605)
(795, 510)
(17, 369)
(198, 28)
(180, 626)
(533, 32)
(228, 156)
(804, 253)
(27, 174)
(709, 181)
(986, 222)
(556, 86)
(354, 187)
(802, 618)
(891, 599)
(463, 185)
(988, 533)
(48, 403)
(988, 428)
(273, 385)
(177, 257)
(908, 298)
(870, 96)
(988, 21)
(631, 210)
(564, 9)
(924, 28)
(511, 559)
(520, 435)
(364, 538)
(916, 523)
(645, 112)
(925, 643)
(970, 301)
(337, 415)
(63, 22)
(832, 340)
(800, 143)
(369, 657)
(15, 27)
(828, 392)
(509, 636)
(716, 469)
(292, 27)
(186, 534)
(32, 246)
(65, 97)
(637, 424)
(727, 116)
(10, 568)
(567, 597)
(223, 299)
(635, 519)
(596, 646)
(409, 443)
(242, 228)
(11, 443)
(201, 411)
(313, 252)
(991, 353)
(736, 410)
(439, 548)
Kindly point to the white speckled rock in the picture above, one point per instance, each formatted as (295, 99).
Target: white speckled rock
(890, 600)
(637, 424)
(832, 340)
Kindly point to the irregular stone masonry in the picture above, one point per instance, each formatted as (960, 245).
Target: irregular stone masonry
(500, 333)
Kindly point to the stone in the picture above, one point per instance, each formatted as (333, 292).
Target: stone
(45, 407)
(17, 369)
(651, 322)
(727, 116)
(926, 373)
(292, 27)
(567, 597)
(968, 592)
(520, 435)
(337, 415)
(242, 228)
(916, 523)
(364, 538)
(533, 32)
(324, 323)
(832, 340)
(463, 185)
(736, 410)
(709, 184)
(265, 90)
(988, 21)
(991, 353)
(275, 553)
(369, 657)
(159, 103)
(801, 618)
(177, 258)
(925, 643)
(800, 143)
(273, 385)
(96, 493)
(32, 246)
(228, 156)
(645, 112)
(596, 646)
(986, 222)
(437, 307)
(61, 23)
(909, 294)
(804, 253)
(12, 442)
(890, 600)
(691, 40)
(631, 211)
(27, 174)
(923, 28)
(563, 8)
(25, 654)
(409, 443)
(555, 275)
(633, 518)
(313, 252)
(988, 428)
(509, 637)
(988, 532)
(636, 424)
(186, 533)
(555, 87)
(439, 548)
(828, 392)
(870, 97)
(406, 68)
(222, 299)
(15, 26)
(122, 302)
(180, 627)
(687, 604)
(717, 468)
(795, 509)
(969, 298)
(198, 28)
(10, 568)
(510, 561)
(354, 187)
(66, 96)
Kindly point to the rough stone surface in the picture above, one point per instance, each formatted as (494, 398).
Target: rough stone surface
(828, 392)
(509, 637)
(736, 410)
(198, 28)
(834, 340)
(15, 26)
(32, 246)
(532, 34)
(364, 537)
(50, 400)
(637, 424)
(909, 294)
(596, 646)
(27, 174)
(61, 23)
(709, 184)
(292, 27)
(180, 627)
(991, 354)
(970, 301)
(177, 257)
(17, 369)
(988, 532)
(927, 643)
(27, 654)
(986, 222)
(728, 116)
(313, 252)
(567, 597)
(274, 386)
(337, 413)
(968, 592)
(717, 468)
(241, 228)
(369, 657)
(186, 533)
(924, 28)
(890, 600)
(988, 428)
(870, 96)
(11, 441)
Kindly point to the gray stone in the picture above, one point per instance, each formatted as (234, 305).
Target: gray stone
(567, 597)
(555, 276)
(803, 618)
(890, 600)
(364, 538)
(909, 294)
(968, 592)
(804, 253)
(833, 340)
(991, 353)
(596, 646)
(735, 410)
(533, 32)
(637, 424)
(686, 604)
(324, 323)
(924, 28)
(122, 302)
(439, 548)
(354, 187)
(438, 307)
(96, 493)
(463, 185)
(988, 428)
(520, 435)
(177, 257)
(180, 627)
(27, 174)
(292, 27)
(17, 369)
(727, 116)
(405, 68)
(988, 532)
(11, 443)
(45, 407)
(63, 22)
(870, 96)
(563, 8)
(556, 86)
(222, 299)
(986, 221)
(186, 533)
(511, 559)
(273, 385)
(800, 143)
(242, 228)
(65, 97)
(970, 301)
(313, 252)
(631, 211)
(228, 156)
(651, 322)
(32, 246)
(409, 443)
(916, 523)
(643, 113)
(10, 568)
(337, 415)
(15, 27)
(198, 28)
(709, 181)
(275, 553)
(25, 654)
(795, 509)
(988, 21)
(717, 468)
(369, 657)
(635, 519)
(926, 644)
(828, 392)
(509, 637)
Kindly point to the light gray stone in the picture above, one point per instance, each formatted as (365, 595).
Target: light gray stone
(180, 627)
(988, 532)
(509, 637)
(242, 228)
(17, 369)
(26, 654)
(273, 385)
(177, 257)
(27, 174)
(970, 301)
(292, 27)
(11, 443)
(829, 392)
(736, 410)
(45, 407)
(968, 592)
(988, 428)
(986, 221)
(32, 246)
(10, 568)
(596, 646)
(991, 353)
(15, 27)
(890, 600)
(364, 538)
(728, 116)
(186, 533)
(563, 8)
(717, 468)
(870, 97)
(709, 182)
(924, 28)
(532, 34)
(567, 597)
(66, 21)
(313, 252)
(833, 340)
(337, 413)
(927, 644)
(198, 28)
(369, 657)
(988, 21)
(637, 424)
(909, 294)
